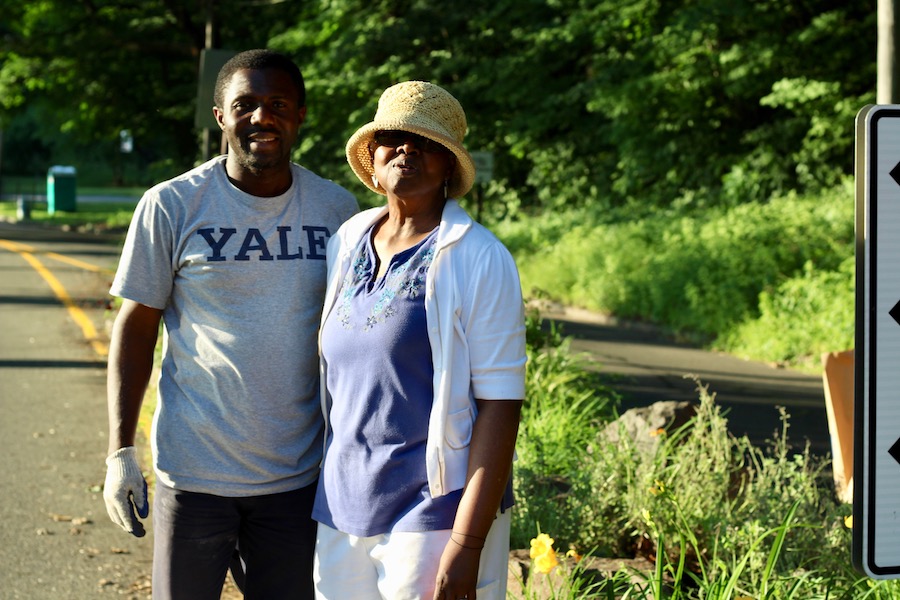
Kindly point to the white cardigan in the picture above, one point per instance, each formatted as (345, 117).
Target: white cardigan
(476, 327)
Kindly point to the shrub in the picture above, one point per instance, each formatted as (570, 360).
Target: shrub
(721, 274)
(564, 405)
(720, 518)
(821, 301)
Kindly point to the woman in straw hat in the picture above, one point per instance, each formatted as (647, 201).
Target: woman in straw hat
(423, 358)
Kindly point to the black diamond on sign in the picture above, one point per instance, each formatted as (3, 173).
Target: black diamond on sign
(895, 451)
(895, 173)
(895, 312)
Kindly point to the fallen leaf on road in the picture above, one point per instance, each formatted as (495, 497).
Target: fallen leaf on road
(60, 518)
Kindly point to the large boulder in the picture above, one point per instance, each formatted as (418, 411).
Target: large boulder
(643, 425)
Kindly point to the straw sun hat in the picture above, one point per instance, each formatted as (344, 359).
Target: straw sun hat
(418, 107)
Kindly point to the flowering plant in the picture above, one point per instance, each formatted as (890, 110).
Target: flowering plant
(542, 553)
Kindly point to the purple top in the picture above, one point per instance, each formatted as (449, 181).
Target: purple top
(380, 379)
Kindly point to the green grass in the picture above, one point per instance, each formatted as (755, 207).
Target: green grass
(132, 192)
(88, 216)
(735, 279)
(13, 184)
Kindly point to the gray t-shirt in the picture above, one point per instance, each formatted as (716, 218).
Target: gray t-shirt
(240, 280)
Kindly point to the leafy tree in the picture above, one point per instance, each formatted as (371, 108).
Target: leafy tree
(705, 93)
(639, 104)
(79, 72)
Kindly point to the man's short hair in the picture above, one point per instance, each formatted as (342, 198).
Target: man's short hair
(258, 60)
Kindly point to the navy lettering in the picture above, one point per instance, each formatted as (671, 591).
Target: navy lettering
(318, 239)
(216, 246)
(254, 241)
(283, 240)
(248, 246)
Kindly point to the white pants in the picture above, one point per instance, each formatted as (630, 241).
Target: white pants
(401, 565)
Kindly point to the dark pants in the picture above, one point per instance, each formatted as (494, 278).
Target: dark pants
(195, 536)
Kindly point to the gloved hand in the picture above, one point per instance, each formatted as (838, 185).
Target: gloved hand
(126, 490)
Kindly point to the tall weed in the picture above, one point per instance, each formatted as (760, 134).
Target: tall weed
(565, 406)
(719, 518)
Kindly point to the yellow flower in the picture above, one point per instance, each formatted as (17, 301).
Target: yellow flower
(542, 553)
(542, 544)
(545, 562)
(848, 522)
(573, 553)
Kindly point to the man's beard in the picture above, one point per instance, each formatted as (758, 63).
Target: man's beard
(259, 162)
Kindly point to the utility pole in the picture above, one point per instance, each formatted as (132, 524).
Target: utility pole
(888, 90)
(209, 44)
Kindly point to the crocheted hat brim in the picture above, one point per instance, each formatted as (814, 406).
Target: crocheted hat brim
(422, 108)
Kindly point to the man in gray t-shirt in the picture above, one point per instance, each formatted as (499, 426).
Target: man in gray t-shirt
(230, 256)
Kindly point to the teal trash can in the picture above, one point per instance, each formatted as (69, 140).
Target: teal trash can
(61, 189)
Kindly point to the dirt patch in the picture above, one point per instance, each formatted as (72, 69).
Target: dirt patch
(593, 571)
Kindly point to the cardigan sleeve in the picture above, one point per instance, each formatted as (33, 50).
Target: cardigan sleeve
(493, 317)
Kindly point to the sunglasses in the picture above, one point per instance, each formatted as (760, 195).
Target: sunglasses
(393, 139)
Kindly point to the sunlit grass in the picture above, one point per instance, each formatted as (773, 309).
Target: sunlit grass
(92, 216)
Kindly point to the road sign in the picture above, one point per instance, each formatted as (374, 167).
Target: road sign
(211, 61)
(876, 494)
(484, 166)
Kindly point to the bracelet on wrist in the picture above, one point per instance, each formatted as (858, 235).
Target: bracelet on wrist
(467, 547)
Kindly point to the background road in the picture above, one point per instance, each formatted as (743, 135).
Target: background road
(644, 366)
(56, 540)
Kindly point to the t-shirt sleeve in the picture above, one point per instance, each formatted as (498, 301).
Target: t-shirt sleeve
(146, 271)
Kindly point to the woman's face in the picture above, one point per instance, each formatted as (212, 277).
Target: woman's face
(409, 166)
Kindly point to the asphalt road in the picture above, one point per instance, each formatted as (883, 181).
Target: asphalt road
(56, 540)
(644, 366)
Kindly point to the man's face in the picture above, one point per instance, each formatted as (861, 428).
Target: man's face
(260, 118)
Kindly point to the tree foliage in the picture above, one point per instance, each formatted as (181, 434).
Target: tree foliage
(74, 74)
(607, 103)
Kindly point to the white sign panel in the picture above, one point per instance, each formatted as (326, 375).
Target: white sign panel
(876, 496)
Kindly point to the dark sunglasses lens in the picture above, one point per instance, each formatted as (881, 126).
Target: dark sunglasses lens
(432, 146)
(398, 138)
(391, 138)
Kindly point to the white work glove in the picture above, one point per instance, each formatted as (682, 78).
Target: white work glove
(126, 490)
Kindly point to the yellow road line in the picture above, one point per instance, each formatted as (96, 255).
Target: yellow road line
(77, 263)
(78, 315)
(20, 247)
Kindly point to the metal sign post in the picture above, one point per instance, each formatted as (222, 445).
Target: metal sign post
(876, 494)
